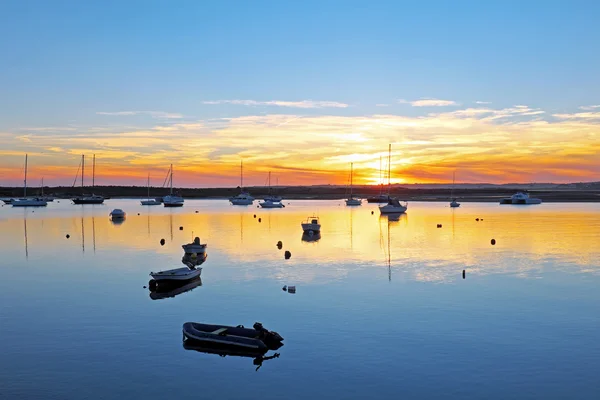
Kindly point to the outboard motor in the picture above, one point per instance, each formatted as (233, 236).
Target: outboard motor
(258, 327)
(268, 337)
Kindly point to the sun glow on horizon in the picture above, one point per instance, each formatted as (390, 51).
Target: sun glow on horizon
(482, 145)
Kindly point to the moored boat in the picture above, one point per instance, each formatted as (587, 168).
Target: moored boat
(268, 203)
(117, 213)
(393, 206)
(520, 198)
(149, 201)
(172, 200)
(195, 247)
(90, 198)
(177, 274)
(351, 200)
(244, 198)
(25, 201)
(311, 224)
(257, 338)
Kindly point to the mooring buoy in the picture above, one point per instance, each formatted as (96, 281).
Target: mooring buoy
(287, 254)
(493, 242)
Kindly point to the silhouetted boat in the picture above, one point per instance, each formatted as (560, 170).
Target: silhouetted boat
(393, 205)
(311, 225)
(90, 198)
(352, 201)
(520, 198)
(244, 198)
(149, 201)
(25, 201)
(453, 203)
(195, 247)
(172, 200)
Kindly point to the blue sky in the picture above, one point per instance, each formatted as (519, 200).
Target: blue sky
(63, 62)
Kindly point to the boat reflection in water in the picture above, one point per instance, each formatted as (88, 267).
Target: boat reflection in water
(395, 217)
(117, 221)
(311, 237)
(165, 289)
(222, 350)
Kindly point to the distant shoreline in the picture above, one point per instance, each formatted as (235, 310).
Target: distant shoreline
(584, 192)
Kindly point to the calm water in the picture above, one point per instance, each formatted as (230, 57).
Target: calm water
(381, 308)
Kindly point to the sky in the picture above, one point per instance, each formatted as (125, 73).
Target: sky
(494, 91)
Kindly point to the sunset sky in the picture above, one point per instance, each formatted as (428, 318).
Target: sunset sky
(496, 91)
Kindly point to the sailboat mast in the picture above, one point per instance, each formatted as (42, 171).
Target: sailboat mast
(351, 167)
(82, 168)
(93, 171)
(171, 179)
(269, 182)
(42, 186)
(241, 175)
(453, 178)
(25, 179)
(380, 178)
(389, 168)
(148, 186)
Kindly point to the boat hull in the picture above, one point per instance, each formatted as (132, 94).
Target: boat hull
(87, 201)
(241, 202)
(29, 203)
(316, 228)
(7, 201)
(176, 275)
(378, 199)
(521, 202)
(230, 336)
(353, 202)
(387, 209)
(193, 248)
(173, 204)
(268, 204)
(150, 203)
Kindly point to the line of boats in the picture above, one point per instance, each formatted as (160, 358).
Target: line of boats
(391, 205)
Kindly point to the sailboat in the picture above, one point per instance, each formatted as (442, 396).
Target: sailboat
(393, 206)
(172, 200)
(88, 199)
(351, 201)
(381, 198)
(453, 203)
(46, 197)
(25, 202)
(244, 198)
(149, 201)
(271, 197)
(271, 201)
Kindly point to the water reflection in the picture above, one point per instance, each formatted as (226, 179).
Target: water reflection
(223, 351)
(167, 290)
(311, 237)
(560, 236)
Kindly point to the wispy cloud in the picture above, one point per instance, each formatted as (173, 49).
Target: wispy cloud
(589, 108)
(280, 103)
(483, 102)
(491, 145)
(583, 115)
(428, 102)
(153, 114)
